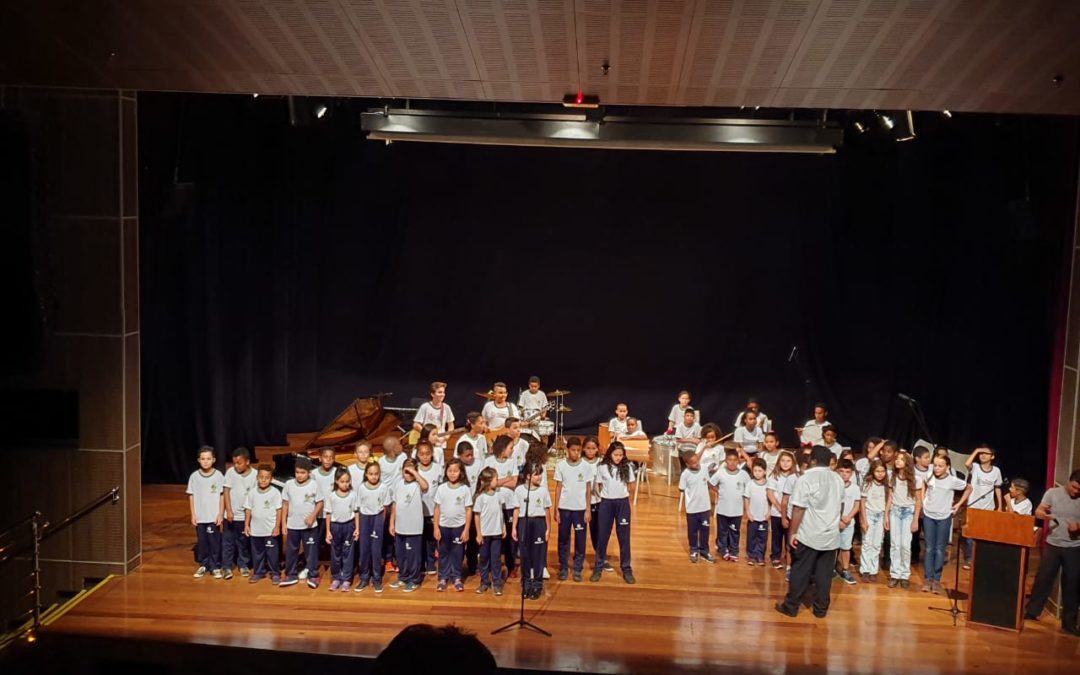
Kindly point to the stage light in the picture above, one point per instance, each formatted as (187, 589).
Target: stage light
(860, 127)
(255, 95)
(947, 114)
(908, 133)
(581, 100)
(888, 121)
(320, 111)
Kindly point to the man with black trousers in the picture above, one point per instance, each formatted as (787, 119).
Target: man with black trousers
(815, 533)
(1060, 508)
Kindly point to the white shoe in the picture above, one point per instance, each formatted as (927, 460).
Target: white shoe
(217, 574)
(546, 574)
(303, 574)
(200, 573)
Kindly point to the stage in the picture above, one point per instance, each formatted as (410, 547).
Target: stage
(679, 617)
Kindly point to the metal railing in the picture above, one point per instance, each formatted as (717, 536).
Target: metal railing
(41, 530)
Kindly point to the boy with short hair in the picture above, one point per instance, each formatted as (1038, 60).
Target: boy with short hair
(828, 439)
(810, 433)
(985, 488)
(240, 480)
(324, 476)
(688, 430)
(206, 500)
(437, 412)
(407, 526)
(302, 502)
(363, 457)
(694, 484)
(617, 425)
(1016, 499)
(573, 484)
(851, 502)
(730, 483)
(262, 525)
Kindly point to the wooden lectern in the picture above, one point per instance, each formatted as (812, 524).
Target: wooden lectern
(998, 567)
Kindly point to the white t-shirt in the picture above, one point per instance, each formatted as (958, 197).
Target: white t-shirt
(820, 491)
(595, 464)
(789, 490)
(811, 433)
(442, 417)
(678, 415)
(695, 488)
(532, 403)
(836, 449)
(610, 485)
(771, 458)
(472, 471)
(264, 506)
(303, 500)
(759, 500)
(371, 501)
(539, 499)
(409, 508)
(852, 494)
(778, 485)
(341, 509)
(521, 449)
(504, 469)
(433, 474)
(496, 416)
(924, 474)
(452, 502)
(730, 489)
(862, 465)
(479, 444)
(356, 474)
(683, 431)
(982, 487)
(713, 456)
(939, 494)
(616, 426)
(576, 481)
(325, 481)
(874, 496)
(763, 421)
(490, 509)
(207, 491)
(900, 494)
(391, 470)
(749, 439)
(1022, 507)
(239, 487)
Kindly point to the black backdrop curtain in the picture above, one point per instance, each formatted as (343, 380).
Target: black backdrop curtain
(294, 268)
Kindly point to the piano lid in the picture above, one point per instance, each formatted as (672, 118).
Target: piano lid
(358, 421)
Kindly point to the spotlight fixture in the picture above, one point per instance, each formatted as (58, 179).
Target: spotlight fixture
(860, 127)
(947, 114)
(581, 100)
(320, 111)
(888, 121)
(255, 95)
(908, 133)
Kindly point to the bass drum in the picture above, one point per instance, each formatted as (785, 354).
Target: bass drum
(545, 427)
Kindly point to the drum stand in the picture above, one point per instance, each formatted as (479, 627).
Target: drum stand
(558, 444)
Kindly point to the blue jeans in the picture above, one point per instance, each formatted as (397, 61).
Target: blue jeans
(937, 538)
(900, 541)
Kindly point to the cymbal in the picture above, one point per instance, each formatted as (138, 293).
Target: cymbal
(486, 394)
(565, 409)
(557, 393)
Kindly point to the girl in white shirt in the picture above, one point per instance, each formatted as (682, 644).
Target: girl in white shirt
(343, 529)
(488, 505)
(453, 510)
(904, 509)
(372, 497)
(872, 518)
(756, 508)
(939, 507)
(614, 477)
(783, 473)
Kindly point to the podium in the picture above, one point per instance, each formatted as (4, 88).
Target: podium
(998, 567)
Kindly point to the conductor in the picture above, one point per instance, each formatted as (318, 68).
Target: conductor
(815, 533)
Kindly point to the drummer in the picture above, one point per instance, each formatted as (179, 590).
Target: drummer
(532, 401)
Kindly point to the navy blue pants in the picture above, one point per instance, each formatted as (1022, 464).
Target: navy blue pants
(532, 538)
(208, 545)
(727, 534)
(265, 556)
(236, 547)
(429, 544)
(410, 557)
(777, 538)
(451, 553)
(370, 559)
(309, 537)
(613, 513)
(490, 567)
(697, 531)
(757, 534)
(509, 547)
(571, 524)
(594, 520)
(389, 550)
(472, 549)
(342, 551)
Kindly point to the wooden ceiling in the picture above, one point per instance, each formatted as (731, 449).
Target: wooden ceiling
(965, 55)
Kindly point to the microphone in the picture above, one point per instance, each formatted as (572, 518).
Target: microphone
(905, 398)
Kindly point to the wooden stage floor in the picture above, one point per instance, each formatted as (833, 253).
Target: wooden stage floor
(678, 618)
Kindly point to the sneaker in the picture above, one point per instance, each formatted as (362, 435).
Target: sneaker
(275, 581)
(777, 565)
(228, 574)
(334, 585)
(458, 585)
(577, 575)
(345, 586)
(392, 565)
(397, 583)
(199, 573)
(303, 574)
(893, 582)
(378, 587)
(820, 614)
(707, 557)
(360, 587)
(749, 562)
(873, 578)
(694, 558)
(967, 566)
(927, 585)
(905, 584)
(759, 563)
(563, 574)
(217, 574)
(498, 590)
(290, 581)
(441, 586)
(726, 557)
(847, 578)
(733, 559)
(255, 578)
(608, 567)
(597, 574)
(429, 572)
(937, 589)
(313, 582)
(787, 575)
(546, 574)
(245, 572)
(482, 588)
(410, 587)
(628, 577)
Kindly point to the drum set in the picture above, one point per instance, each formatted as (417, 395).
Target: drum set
(540, 426)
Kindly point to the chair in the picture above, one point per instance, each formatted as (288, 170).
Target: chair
(637, 450)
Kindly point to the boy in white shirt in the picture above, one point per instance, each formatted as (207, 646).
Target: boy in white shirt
(694, 484)
(828, 439)
(436, 412)
(633, 429)
(533, 401)
(1016, 499)
(206, 500)
(679, 410)
(810, 433)
(730, 483)
(519, 446)
(324, 475)
(497, 410)
(240, 480)
(573, 485)
(687, 430)
(262, 524)
(985, 489)
(756, 512)
(302, 502)
(849, 511)
(390, 469)
(617, 425)
(432, 472)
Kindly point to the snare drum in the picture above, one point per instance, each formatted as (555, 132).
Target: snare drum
(545, 427)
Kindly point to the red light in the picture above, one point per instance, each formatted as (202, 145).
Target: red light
(580, 97)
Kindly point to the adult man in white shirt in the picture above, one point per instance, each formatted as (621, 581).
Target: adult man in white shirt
(815, 533)
(497, 410)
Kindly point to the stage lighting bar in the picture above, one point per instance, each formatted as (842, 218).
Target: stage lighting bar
(581, 131)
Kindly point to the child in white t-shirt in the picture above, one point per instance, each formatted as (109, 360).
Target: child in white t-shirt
(342, 530)
(453, 510)
(573, 485)
(985, 493)
(407, 526)
(687, 430)
(488, 505)
(240, 480)
(748, 437)
(782, 474)
(373, 496)
(617, 425)
(849, 514)
(262, 524)
(730, 483)
(436, 412)
(756, 512)
(1016, 499)
(206, 500)
(531, 528)
(694, 484)
(679, 411)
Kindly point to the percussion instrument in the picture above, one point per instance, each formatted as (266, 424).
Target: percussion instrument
(564, 409)
(545, 427)
(486, 394)
(558, 392)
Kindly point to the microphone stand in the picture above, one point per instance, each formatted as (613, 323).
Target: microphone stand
(954, 609)
(916, 411)
(521, 622)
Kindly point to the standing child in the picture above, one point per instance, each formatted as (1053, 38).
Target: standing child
(590, 450)
(262, 525)
(453, 510)
(771, 453)
(303, 501)
(531, 527)
(432, 473)
(875, 497)
(240, 480)
(390, 468)
(407, 526)
(850, 506)
(472, 475)
(1016, 499)
(614, 477)
(506, 479)
(985, 488)
(372, 498)
(490, 526)
(828, 439)
(694, 484)
(783, 473)
(730, 483)
(207, 504)
(679, 411)
(573, 485)
(756, 512)
(938, 511)
(358, 470)
(324, 475)
(343, 530)
(905, 510)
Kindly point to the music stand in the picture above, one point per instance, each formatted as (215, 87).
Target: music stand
(521, 622)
